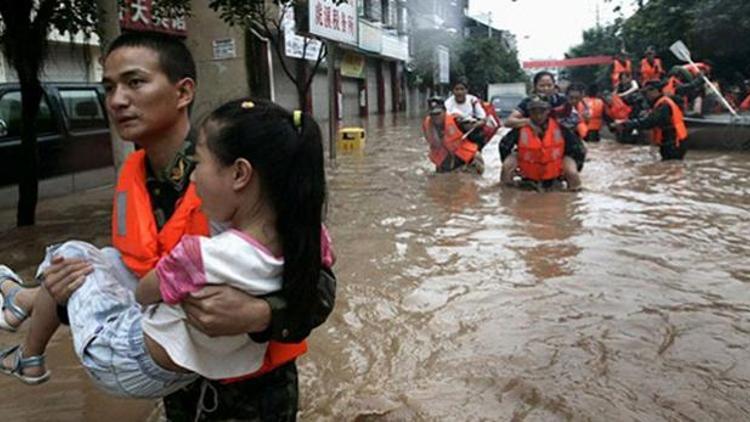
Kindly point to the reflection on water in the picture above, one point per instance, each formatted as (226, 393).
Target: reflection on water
(459, 300)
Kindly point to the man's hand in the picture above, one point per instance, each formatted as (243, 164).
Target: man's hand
(226, 311)
(65, 276)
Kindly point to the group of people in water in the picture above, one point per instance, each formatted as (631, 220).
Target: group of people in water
(548, 128)
(220, 265)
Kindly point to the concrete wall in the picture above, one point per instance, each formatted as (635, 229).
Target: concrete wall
(218, 80)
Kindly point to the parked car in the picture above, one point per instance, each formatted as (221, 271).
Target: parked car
(505, 104)
(72, 130)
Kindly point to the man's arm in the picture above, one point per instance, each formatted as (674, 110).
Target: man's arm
(223, 310)
(516, 120)
(660, 116)
(632, 89)
(574, 147)
(507, 144)
(284, 327)
(147, 291)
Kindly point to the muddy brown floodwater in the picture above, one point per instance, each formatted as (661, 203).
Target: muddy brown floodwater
(459, 300)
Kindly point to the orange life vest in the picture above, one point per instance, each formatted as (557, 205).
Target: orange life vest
(619, 110)
(651, 72)
(453, 142)
(134, 230)
(135, 235)
(696, 68)
(745, 106)
(618, 68)
(596, 112)
(581, 128)
(493, 121)
(677, 121)
(670, 89)
(541, 159)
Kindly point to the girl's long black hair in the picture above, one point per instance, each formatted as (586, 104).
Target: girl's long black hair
(288, 157)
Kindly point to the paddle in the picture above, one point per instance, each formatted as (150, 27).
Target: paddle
(680, 50)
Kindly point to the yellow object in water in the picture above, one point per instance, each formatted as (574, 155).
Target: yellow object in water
(351, 139)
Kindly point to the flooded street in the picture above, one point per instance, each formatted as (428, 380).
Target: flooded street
(463, 301)
(459, 300)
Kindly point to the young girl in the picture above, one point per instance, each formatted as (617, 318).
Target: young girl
(259, 170)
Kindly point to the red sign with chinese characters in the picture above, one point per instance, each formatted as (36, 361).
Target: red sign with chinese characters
(138, 15)
(578, 61)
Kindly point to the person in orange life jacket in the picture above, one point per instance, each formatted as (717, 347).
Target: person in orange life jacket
(594, 113)
(575, 120)
(544, 87)
(651, 66)
(696, 68)
(666, 119)
(745, 104)
(543, 150)
(246, 153)
(468, 111)
(449, 147)
(682, 86)
(620, 64)
(732, 96)
(629, 90)
(494, 123)
(149, 80)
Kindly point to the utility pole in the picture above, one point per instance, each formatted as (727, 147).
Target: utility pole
(489, 24)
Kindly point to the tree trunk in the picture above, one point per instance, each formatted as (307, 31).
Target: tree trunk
(28, 186)
(303, 100)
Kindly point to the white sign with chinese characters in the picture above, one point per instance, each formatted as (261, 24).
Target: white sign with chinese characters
(294, 45)
(224, 49)
(334, 22)
(443, 62)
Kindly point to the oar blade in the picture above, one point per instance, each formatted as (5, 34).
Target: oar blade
(680, 50)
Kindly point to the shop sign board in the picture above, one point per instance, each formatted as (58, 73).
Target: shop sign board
(336, 22)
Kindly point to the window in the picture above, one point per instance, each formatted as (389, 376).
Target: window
(374, 10)
(390, 13)
(83, 109)
(10, 114)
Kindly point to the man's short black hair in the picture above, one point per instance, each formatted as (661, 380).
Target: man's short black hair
(174, 57)
(578, 87)
(461, 80)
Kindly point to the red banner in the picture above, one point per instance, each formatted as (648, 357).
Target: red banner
(577, 61)
(138, 15)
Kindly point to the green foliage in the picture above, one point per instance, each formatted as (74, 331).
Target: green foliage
(486, 61)
(481, 60)
(600, 40)
(715, 30)
(24, 25)
(423, 55)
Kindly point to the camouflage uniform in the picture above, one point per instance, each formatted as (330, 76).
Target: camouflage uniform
(270, 397)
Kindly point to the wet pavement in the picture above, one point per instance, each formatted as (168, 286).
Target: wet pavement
(459, 300)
